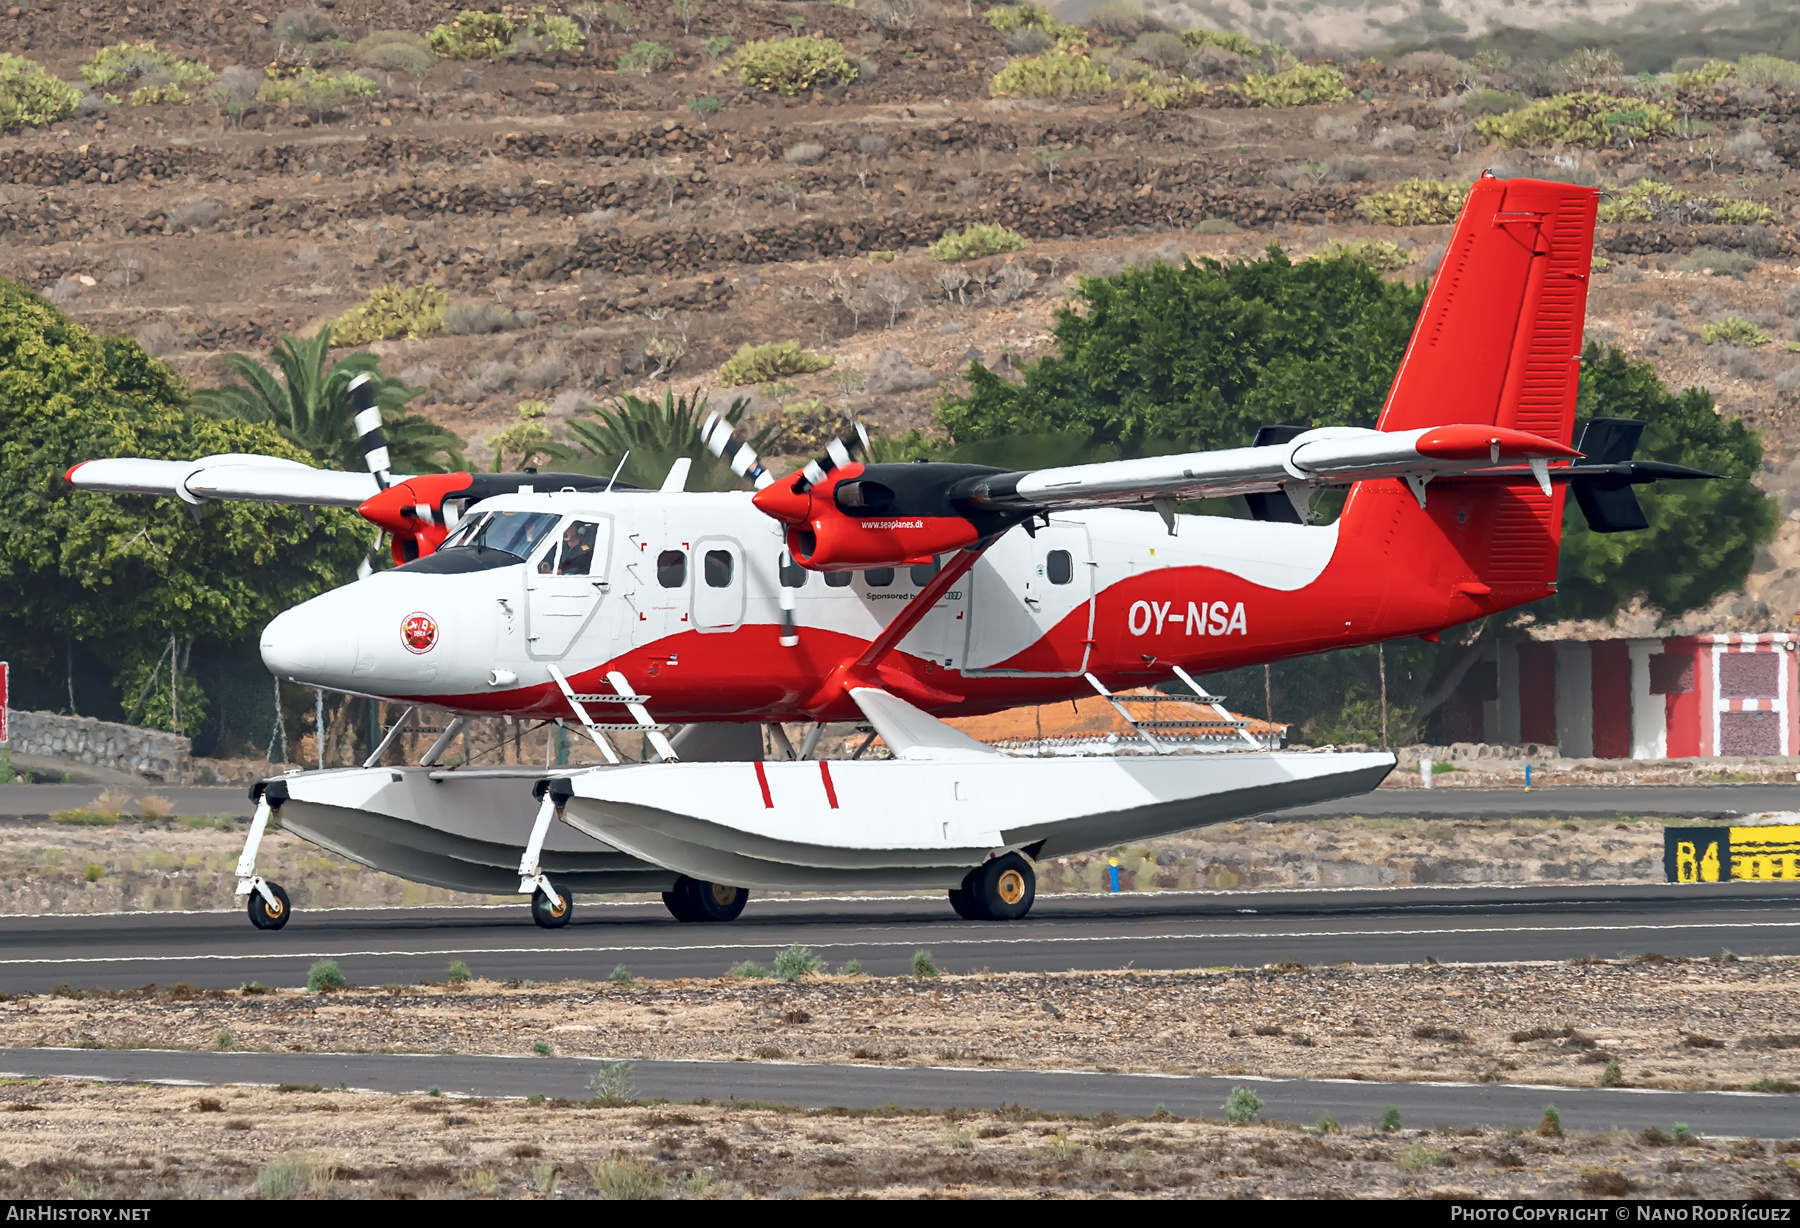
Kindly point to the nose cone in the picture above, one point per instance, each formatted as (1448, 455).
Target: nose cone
(780, 502)
(310, 643)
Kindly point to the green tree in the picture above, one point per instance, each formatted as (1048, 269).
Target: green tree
(1711, 528)
(1161, 358)
(651, 436)
(312, 409)
(120, 574)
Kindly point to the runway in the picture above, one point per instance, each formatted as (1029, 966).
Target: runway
(1160, 930)
(36, 802)
(1351, 1103)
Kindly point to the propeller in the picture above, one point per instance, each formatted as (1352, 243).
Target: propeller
(718, 436)
(375, 452)
(838, 453)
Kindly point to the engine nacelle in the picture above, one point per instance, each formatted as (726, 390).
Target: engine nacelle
(855, 520)
(413, 512)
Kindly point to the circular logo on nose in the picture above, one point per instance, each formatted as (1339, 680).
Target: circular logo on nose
(418, 632)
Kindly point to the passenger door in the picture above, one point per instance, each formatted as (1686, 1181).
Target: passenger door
(566, 584)
(1024, 588)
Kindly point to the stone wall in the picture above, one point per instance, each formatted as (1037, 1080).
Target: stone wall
(125, 748)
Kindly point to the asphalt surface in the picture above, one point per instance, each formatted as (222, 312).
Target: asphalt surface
(21, 801)
(1165, 930)
(1351, 1103)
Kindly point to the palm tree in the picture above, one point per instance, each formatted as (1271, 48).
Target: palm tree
(652, 436)
(311, 406)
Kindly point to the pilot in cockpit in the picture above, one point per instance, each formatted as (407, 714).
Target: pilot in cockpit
(574, 555)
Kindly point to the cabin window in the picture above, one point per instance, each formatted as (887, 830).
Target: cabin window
(671, 568)
(837, 579)
(792, 574)
(718, 568)
(921, 573)
(1059, 567)
(878, 577)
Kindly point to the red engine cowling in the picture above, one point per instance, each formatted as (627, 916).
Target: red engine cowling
(843, 524)
(413, 512)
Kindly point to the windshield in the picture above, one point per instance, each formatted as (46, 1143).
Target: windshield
(517, 533)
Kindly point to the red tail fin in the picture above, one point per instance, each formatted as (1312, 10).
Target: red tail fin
(1499, 340)
(1498, 343)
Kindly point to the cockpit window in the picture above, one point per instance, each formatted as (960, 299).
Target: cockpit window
(573, 554)
(517, 533)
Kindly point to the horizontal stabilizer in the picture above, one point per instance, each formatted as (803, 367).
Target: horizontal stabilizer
(1602, 481)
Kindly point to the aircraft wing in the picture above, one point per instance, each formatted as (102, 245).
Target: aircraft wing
(1328, 456)
(233, 476)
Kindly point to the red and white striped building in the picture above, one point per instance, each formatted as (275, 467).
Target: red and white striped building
(1680, 697)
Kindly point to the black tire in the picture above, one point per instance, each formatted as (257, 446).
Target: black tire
(705, 901)
(262, 917)
(964, 903)
(1004, 888)
(545, 915)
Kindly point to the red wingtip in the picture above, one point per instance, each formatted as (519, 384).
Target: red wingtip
(69, 477)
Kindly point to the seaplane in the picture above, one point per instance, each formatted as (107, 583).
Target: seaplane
(899, 595)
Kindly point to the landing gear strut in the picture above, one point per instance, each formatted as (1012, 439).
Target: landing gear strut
(268, 907)
(999, 890)
(692, 900)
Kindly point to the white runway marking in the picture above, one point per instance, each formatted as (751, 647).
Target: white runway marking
(948, 942)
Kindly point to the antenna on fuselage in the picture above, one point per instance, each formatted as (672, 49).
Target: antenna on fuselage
(616, 471)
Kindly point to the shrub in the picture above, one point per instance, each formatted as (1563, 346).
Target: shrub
(1160, 49)
(1734, 330)
(790, 66)
(1415, 202)
(760, 364)
(1375, 253)
(623, 1180)
(554, 33)
(1550, 1125)
(611, 1081)
(1731, 212)
(324, 974)
(395, 51)
(1642, 201)
(796, 962)
(472, 36)
(1216, 226)
(851, 967)
(29, 95)
(806, 153)
(474, 319)
(1299, 86)
(1647, 200)
(1769, 72)
(1490, 102)
(1613, 1075)
(645, 58)
(1058, 73)
(1225, 40)
(317, 91)
(458, 973)
(542, 1048)
(308, 24)
(748, 970)
(128, 62)
(1710, 73)
(620, 975)
(1681, 1132)
(1717, 262)
(392, 310)
(1008, 18)
(923, 965)
(1589, 119)
(896, 17)
(1242, 1106)
(1390, 1119)
(980, 239)
(294, 1176)
(1166, 96)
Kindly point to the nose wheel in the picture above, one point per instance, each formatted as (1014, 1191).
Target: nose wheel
(692, 900)
(1000, 890)
(267, 915)
(552, 916)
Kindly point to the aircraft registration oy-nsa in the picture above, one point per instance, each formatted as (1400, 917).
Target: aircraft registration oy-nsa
(899, 594)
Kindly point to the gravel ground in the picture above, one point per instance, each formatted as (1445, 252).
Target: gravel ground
(1701, 1025)
(67, 1139)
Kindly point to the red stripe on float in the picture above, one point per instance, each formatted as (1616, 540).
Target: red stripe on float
(762, 778)
(830, 790)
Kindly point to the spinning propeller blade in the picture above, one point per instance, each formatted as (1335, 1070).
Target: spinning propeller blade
(718, 436)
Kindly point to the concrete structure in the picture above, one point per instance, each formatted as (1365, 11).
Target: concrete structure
(125, 748)
(1680, 697)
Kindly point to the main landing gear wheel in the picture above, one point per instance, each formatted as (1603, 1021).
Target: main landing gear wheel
(692, 900)
(265, 917)
(1001, 890)
(548, 915)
